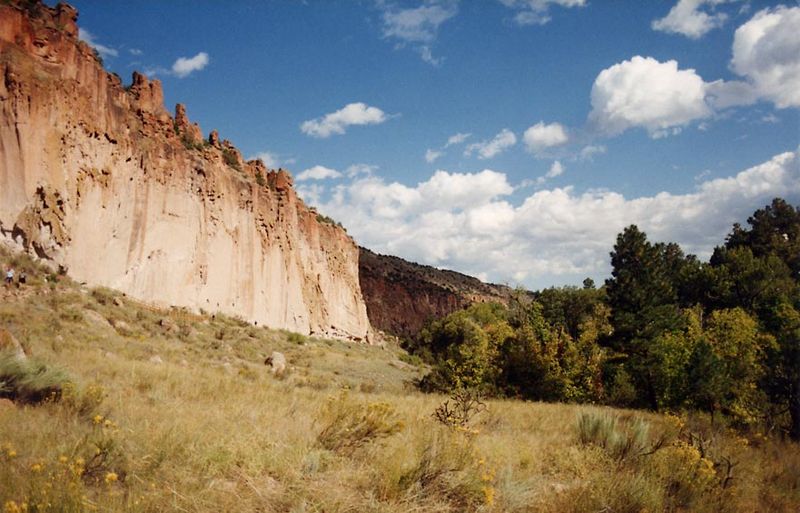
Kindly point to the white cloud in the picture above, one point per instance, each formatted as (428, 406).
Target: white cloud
(456, 139)
(588, 152)
(541, 136)
(271, 160)
(184, 66)
(427, 56)
(135, 51)
(488, 149)
(432, 155)
(360, 169)
(337, 122)
(643, 92)
(766, 51)
(557, 169)
(419, 25)
(310, 193)
(688, 18)
(467, 222)
(318, 173)
(663, 99)
(89, 38)
(537, 12)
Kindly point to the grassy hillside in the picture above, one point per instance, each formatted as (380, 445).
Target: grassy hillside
(169, 411)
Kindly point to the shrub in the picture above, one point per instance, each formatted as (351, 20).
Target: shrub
(447, 466)
(83, 402)
(295, 338)
(349, 425)
(685, 473)
(103, 295)
(230, 158)
(621, 440)
(29, 381)
(466, 404)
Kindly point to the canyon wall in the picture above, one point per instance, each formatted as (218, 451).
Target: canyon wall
(402, 296)
(104, 182)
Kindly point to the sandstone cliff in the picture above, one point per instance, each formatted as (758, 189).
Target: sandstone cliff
(402, 296)
(101, 180)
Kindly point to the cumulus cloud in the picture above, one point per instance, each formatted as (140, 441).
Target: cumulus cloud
(269, 159)
(318, 173)
(663, 99)
(310, 193)
(432, 155)
(766, 51)
(588, 152)
(360, 169)
(688, 18)
(556, 169)
(89, 38)
(541, 136)
(492, 147)
(456, 139)
(469, 223)
(418, 26)
(643, 92)
(337, 122)
(184, 66)
(537, 12)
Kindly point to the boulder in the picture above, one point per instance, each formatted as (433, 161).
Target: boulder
(97, 319)
(168, 325)
(276, 362)
(9, 343)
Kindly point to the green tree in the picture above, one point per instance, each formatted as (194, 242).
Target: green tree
(644, 304)
(727, 365)
(465, 346)
(782, 380)
(774, 230)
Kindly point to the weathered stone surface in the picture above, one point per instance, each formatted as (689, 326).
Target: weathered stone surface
(100, 179)
(276, 362)
(97, 319)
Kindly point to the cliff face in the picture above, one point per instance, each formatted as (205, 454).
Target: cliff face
(103, 181)
(402, 296)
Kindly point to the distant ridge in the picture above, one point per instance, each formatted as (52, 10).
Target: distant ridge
(402, 296)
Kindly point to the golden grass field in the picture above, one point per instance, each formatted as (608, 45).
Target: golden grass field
(210, 429)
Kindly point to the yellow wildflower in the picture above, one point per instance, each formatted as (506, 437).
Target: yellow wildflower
(488, 494)
(62, 459)
(111, 477)
(36, 467)
(11, 507)
(97, 419)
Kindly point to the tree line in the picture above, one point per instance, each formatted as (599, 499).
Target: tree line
(665, 332)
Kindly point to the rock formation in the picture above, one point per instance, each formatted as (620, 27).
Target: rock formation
(402, 296)
(101, 180)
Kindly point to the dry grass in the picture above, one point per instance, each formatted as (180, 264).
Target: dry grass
(210, 429)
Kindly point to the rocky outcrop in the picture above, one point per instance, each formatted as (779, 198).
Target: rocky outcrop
(402, 296)
(101, 180)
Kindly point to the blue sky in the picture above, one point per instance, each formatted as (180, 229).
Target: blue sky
(508, 139)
